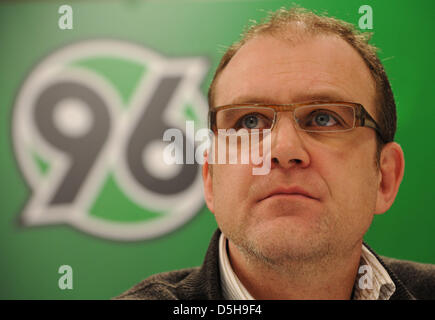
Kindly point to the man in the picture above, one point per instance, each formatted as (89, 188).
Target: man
(297, 232)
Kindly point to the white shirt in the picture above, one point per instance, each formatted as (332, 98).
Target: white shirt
(372, 282)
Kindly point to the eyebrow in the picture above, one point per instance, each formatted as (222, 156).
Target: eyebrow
(304, 97)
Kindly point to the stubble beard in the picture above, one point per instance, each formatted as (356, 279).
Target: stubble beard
(285, 249)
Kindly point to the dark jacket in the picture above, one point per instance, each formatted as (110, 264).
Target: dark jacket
(413, 280)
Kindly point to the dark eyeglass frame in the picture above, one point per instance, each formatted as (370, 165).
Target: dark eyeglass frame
(362, 117)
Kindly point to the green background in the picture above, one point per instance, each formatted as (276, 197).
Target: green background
(30, 257)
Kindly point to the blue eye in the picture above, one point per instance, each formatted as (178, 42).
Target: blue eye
(250, 121)
(254, 121)
(324, 120)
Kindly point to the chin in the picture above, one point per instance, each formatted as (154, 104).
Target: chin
(288, 238)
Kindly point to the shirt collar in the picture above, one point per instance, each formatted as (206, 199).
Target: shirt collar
(372, 282)
(232, 288)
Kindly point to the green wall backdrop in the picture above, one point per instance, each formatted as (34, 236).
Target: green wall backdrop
(120, 50)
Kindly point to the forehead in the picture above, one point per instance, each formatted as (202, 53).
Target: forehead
(271, 70)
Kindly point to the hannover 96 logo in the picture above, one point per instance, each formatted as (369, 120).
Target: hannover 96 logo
(87, 128)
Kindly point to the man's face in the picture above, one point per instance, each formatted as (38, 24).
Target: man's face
(268, 215)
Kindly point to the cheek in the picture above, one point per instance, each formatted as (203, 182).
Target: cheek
(349, 171)
(350, 176)
(231, 184)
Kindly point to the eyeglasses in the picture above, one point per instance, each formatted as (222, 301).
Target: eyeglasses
(310, 117)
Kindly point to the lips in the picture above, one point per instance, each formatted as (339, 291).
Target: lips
(290, 191)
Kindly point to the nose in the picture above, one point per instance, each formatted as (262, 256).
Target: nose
(287, 148)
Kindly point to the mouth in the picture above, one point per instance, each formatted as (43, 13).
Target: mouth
(289, 193)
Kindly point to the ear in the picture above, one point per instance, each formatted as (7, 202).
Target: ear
(392, 166)
(208, 183)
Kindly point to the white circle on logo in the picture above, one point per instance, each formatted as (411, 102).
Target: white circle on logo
(72, 117)
(153, 157)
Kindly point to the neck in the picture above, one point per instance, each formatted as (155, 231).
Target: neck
(327, 278)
